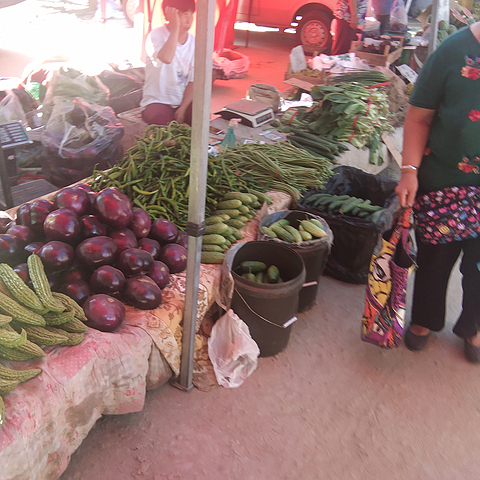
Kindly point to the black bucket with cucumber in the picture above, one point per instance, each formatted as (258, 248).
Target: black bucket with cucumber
(267, 278)
(310, 236)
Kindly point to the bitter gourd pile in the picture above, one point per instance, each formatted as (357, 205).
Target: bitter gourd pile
(30, 319)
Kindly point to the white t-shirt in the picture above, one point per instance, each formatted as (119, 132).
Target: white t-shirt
(166, 83)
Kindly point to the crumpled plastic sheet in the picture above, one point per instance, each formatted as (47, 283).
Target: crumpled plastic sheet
(49, 416)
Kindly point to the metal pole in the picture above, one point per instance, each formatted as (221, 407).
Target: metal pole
(247, 34)
(202, 92)
(440, 11)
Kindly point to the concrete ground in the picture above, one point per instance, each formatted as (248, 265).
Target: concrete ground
(329, 406)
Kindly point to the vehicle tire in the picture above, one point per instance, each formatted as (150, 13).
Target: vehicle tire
(313, 30)
(129, 8)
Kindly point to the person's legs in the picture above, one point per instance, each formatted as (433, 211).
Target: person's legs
(435, 263)
(188, 114)
(344, 35)
(158, 114)
(383, 19)
(468, 323)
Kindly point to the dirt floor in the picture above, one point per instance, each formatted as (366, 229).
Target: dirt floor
(329, 406)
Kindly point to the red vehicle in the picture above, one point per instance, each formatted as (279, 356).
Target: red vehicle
(311, 19)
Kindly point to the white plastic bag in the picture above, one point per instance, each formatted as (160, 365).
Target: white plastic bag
(233, 352)
(398, 17)
(11, 108)
(233, 64)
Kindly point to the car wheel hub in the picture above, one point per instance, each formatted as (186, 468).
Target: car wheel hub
(314, 33)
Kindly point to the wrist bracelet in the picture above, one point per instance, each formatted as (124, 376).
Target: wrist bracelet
(409, 167)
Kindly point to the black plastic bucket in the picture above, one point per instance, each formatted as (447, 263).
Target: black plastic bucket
(314, 253)
(268, 309)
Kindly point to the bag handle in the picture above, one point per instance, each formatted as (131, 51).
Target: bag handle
(402, 225)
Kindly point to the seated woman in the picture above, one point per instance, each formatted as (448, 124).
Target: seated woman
(170, 51)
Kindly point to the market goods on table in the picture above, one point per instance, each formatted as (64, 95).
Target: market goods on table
(154, 173)
(345, 112)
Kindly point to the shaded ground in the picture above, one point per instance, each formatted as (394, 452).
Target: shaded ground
(328, 407)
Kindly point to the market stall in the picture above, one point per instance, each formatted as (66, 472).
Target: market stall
(109, 372)
(106, 374)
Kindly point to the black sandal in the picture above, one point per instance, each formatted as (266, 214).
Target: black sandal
(415, 343)
(472, 353)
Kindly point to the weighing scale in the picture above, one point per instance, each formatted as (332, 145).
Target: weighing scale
(253, 114)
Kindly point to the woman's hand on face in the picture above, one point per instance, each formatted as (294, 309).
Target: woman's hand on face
(172, 15)
(407, 189)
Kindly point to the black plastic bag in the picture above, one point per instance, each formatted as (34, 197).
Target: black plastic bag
(355, 238)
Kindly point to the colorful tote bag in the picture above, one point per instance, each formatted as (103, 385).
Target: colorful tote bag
(384, 315)
(447, 215)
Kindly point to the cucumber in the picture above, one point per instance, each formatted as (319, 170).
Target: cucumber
(252, 266)
(294, 232)
(214, 239)
(273, 274)
(316, 222)
(324, 201)
(259, 277)
(211, 248)
(313, 199)
(315, 230)
(244, 198)
(214, 219)
(305, 235)
(219, 228)
(268, 232)
(261, 197)
(283, 234)
(282, 222)
(212, 257)
(249, 276)
(232, 213)
(375, 216)
(368, 207)
(235, 223)
(228, 204)
(334, 206)
(348, 205)
(237, 233)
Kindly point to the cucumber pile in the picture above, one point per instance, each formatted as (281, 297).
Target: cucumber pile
(259, 272)
(315, 144)
(308, 229)
(345, 205)
(223, 226)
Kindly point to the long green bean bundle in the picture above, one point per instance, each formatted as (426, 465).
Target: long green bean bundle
(282, 167)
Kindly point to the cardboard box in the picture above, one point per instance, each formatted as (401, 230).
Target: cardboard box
(320, 80)
(375, 59)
